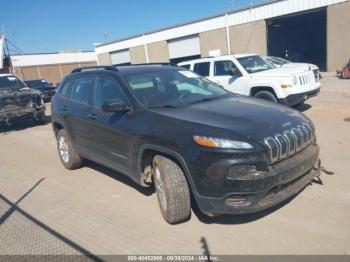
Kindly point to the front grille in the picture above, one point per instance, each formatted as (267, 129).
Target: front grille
(307, 78)
(317, 74)
(282, 146)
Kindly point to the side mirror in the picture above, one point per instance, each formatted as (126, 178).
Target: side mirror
(235, 73)
(115, 106)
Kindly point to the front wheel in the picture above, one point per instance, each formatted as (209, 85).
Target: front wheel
(172, 190)
(69, 157)
(266, 95)
(39, 117)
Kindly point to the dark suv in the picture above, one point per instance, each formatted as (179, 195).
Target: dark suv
(169, 127)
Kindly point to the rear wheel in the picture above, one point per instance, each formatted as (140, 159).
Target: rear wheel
(172, 190)
(69, 157)
(266, 95)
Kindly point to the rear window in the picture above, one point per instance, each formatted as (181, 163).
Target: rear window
(202, 68)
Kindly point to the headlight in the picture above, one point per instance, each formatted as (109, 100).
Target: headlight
(292, 82)
(221, 143)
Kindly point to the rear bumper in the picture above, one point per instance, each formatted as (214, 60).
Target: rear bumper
(285, 180)
(295, 99)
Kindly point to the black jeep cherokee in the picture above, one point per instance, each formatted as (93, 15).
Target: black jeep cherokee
(168, 126)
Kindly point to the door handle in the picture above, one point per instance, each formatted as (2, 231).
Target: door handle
(92, 116)
(64, 109)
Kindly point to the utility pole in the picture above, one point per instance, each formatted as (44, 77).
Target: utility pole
(228, 36)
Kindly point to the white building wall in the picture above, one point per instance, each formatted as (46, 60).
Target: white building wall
(50, 59)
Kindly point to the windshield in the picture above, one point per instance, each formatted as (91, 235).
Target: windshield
(170, 88)
(7, 82)
(37, 83)
(254, 64)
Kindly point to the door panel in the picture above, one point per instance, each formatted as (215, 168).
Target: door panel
(76, 109)
(226, 74)
(110, 138)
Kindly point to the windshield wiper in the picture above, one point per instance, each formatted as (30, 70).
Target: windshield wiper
(163, 106)
(208, 99)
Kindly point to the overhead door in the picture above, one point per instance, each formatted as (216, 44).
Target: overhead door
(120, 57)
(184, 47)
(300, 37)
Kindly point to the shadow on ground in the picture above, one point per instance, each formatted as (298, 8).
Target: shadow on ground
(147, 191)
(22, 233)
(19, 125)
(303, 107)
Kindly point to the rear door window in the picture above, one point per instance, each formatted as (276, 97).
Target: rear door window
(202, 68)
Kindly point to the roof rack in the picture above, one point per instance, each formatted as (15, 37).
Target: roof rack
(80, 69)
(145, 64)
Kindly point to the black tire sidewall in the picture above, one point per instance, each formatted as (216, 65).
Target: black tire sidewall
(171, 213)
(165, 212)
(42, 118)
(266, 95)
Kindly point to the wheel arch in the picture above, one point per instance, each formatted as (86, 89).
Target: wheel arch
(57, 127)
(148, 151)
(254, 90)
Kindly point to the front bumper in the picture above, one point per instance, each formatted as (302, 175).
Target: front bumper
(295, 99)
(21, 113)
(282, 181)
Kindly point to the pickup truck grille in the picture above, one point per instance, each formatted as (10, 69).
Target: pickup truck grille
(283, 146)
(307, 78)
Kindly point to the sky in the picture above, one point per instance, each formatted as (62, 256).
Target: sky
(37, 26)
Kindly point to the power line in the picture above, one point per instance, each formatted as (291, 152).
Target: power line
(13, 45)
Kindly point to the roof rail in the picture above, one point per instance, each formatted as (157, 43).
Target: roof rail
(80, 69)
(145, 64)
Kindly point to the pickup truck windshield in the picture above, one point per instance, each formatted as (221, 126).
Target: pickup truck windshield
(7, 82)
(38, 83)
(170, 88)
(254, 64)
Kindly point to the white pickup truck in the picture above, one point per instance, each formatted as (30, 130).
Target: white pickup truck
(252, 75)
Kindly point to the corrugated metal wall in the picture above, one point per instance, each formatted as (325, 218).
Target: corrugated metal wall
(259, 12)
(51, 59)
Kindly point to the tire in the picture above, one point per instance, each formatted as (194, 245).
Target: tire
(172, 190)
(266, 95)
(39, 118)
(299, 104)
(69, 158)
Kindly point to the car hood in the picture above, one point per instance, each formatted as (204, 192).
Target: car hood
(305, 66)
(281, 72)
(253, 119)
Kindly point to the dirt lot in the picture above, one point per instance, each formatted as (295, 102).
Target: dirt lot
(45, 209)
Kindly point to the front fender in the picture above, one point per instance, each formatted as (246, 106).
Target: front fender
(173, 154)
(275, 85)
